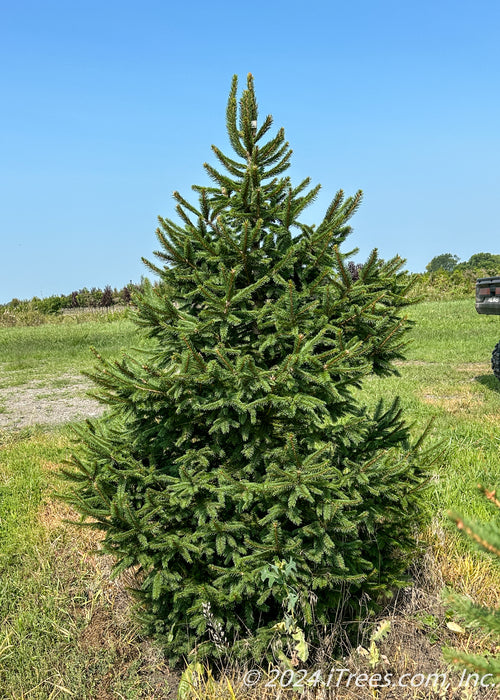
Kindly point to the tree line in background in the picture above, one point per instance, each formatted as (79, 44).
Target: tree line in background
(81, 299)
(480, 262)
(448, 278)
(445, 277)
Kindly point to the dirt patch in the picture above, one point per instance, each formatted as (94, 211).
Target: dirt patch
(47, 402)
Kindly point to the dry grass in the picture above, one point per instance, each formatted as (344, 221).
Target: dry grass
(411, 650)
(107, 657)
(418, 630)
(476, 368)
(460, 403)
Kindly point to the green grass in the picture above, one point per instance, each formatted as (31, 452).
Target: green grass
(28, 353)
(63, 631)
(452, 332)
(447, 376)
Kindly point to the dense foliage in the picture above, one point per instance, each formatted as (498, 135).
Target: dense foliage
(482, 261)
(446, 286)
(240, 441)
(446, 262)
(479, 264)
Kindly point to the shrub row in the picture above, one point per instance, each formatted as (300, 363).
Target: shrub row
(81, 299)
(445, 285)
(429, 286)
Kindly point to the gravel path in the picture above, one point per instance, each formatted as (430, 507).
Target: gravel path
(47, 402)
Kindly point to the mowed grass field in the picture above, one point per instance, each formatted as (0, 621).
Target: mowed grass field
(49, 350)
(65, 630)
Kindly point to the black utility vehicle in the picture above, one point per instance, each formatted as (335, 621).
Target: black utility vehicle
(488, 302)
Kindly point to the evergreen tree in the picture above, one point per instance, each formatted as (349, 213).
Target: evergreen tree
(487, 538)
(237, 439)
(94, 297)
(125, 295)
(107, 298)
(354, 269)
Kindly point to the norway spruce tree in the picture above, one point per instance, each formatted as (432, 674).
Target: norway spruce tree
(239, 438)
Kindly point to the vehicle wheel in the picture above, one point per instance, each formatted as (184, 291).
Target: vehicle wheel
(495, 361)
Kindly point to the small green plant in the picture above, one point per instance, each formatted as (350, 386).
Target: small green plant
(282, 580)
(430, 624)
(373, 652)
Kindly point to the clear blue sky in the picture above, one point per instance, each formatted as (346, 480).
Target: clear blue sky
(107, 107)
